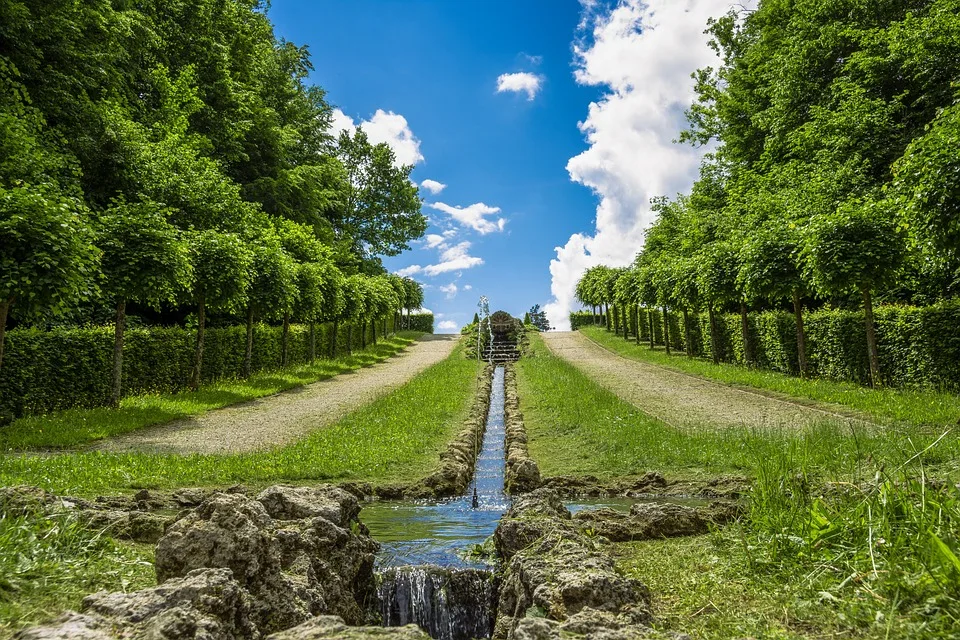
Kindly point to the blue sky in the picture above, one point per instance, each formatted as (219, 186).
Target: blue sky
(544, 177)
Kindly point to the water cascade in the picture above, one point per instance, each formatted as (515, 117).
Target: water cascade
(453, 596)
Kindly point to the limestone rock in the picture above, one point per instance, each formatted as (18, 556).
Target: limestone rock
(69, 626)
(562, 572)
(296, 503)
(323, 627)
(293, 569)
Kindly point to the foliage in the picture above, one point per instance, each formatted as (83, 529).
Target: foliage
(538, 318)
(221, 268)
(70, 367)
(422, 322)
(47, 252)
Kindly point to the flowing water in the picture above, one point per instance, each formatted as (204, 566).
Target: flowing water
(427, 575)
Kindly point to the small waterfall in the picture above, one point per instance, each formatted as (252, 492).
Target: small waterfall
(454, 603)
(449, 604)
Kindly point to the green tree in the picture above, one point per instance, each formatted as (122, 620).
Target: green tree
(538, 318)
(47, 254)
(272, 292)
(859, 248)
(717, 282)
(221, 270)
(381, 213)
(771, 269)
(144, 259)
(356, 297)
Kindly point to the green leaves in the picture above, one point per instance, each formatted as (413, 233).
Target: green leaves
(221, 269)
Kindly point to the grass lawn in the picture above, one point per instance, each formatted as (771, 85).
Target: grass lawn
(397, 437)
(848, 533)
(50, 563)
(78, 426)
(886, 405)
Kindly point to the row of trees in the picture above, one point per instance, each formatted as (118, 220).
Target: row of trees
(172, 156)
(835, 177)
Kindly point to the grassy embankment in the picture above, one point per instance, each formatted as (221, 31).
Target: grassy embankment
(842, 534)
(75, 427)
(52, 563)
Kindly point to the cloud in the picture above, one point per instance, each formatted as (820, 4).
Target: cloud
(473, 216)
(433, 240)
(468, 287)
(384, 126)
(534, 60)
(521, 82)
(450, 290)
(453, 258)
(433, 186)
(447, 325)
(412, 270)
(642, 52)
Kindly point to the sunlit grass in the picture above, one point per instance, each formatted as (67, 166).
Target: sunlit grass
(49, 563)
(886, 405)
(398, 437)
(75, 427)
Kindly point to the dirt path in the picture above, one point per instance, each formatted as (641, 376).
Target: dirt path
(677, 398)
(287, 416)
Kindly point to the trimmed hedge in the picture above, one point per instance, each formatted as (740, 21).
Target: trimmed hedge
(419, 322)
(64, 368)
(918, 346)
(584, 318)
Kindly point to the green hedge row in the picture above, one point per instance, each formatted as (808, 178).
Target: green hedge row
(584, 318)
(419, 322)
(64, 368)
(918, 346)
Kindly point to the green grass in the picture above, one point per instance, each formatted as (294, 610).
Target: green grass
(75, 427)
(886, 406)
(396, 438)
(577, 426)
(49, 563)
(849, 530)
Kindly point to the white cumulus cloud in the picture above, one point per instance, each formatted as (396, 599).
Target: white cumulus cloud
(384, 126)
(453, 258)
(412, 270)
(473, 216)
(433, 186)
(642, 52)
(450, 289)
(520, 82)
(447, 325)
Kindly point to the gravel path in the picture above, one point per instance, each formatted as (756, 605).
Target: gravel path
(287, 416)
(677, 398)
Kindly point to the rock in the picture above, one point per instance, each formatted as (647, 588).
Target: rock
(521, 474)
(204, 605)
(24, 500)
(531, 517)
(296, 503)
(69, 626)
(652, 520)
(650, 482)
(293, 569)
(333, 627)
(574, 486)
(139, 526)
(189, 496)
(561, 573)
(613, 525)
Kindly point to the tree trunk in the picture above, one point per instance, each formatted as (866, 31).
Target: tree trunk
(373, 325)
(363, 334)
(248, 356)
(626, 324)
(285, 341)
(801, 335)
(349, 338)
(606, 316)
(4, 312)
(313, 341)
(333, 339)
(636, 323)
(198, 355)
(650, 326)
(688, 346)
(666, 330)
(118, 328)
(748, 355)
(713, 335)
(871, 337)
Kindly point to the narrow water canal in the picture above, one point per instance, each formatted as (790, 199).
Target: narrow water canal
(429, 571)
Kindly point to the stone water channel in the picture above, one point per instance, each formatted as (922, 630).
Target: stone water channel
(431, 568)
